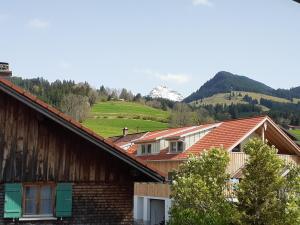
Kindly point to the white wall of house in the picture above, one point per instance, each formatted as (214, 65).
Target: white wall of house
(142, 211)
(163, 144)
(190, 140)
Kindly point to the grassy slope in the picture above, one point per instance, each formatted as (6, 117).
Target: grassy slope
(108, 118)
(223, 98)
(296, 133)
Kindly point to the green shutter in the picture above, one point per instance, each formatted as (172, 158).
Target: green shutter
(13, 200)
(64, 200)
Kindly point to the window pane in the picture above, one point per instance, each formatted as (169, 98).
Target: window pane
(46, 200)
(46, 207)
(30, 200)
(173, 146)
(143, 149)
(30, 207)
(180, 146)
(149, 149)
(46, 192)
(31, 192)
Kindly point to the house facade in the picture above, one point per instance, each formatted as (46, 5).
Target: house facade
(55, 171)
(165, 150)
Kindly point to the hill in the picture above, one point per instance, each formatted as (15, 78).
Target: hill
(224, 82)
(296, 133)
(109, 118)
(237, 97)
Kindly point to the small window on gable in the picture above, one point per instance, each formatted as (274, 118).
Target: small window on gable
(237, 148)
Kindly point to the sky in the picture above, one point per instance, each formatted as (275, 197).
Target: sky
(139, 44)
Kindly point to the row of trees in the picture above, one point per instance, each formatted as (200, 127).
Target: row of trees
(268, 194)
(183, 114)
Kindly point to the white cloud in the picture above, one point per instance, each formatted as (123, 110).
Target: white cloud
(202, 2)
(38, 24)
(178, 78)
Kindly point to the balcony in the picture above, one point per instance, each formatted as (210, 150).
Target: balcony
(238, 160)
(152, 189)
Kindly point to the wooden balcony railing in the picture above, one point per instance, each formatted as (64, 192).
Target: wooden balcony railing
(152, 189)
(238, 160)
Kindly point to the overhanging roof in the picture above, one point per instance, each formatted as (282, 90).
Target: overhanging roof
(75, 127)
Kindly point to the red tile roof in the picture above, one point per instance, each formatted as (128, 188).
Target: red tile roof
(31, 98)
(227, 134)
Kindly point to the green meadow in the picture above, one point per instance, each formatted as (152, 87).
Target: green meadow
(109, 118)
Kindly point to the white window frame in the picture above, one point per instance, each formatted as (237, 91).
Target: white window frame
(146, 149)
(176, 151)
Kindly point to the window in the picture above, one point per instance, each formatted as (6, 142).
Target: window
(179, 146)
(171, 176)
(149, 149)
(146, 149)
(143, 149)
(38, 200)
(237, 148)
(173, 146)
(176, 146)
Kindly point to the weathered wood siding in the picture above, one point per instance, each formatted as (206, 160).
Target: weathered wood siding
(35, 148)
(165, 166)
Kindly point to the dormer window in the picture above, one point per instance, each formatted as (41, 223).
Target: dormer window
(176, 146)
(146, 149)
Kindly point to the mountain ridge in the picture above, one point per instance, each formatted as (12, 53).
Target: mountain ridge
(225, 81)
(165, 93)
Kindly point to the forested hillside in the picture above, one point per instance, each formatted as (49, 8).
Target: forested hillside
(224, 82)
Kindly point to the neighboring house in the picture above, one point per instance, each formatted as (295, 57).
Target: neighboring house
(165, 150)
(55, 171)
(290, 127)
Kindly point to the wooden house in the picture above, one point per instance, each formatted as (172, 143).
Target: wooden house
(55, 171)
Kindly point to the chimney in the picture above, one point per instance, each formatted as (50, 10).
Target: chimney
(4, 70)
(125, 131)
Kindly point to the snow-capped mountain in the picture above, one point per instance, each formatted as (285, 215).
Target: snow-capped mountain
(164, 92)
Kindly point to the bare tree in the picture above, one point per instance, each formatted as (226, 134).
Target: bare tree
(76, 106)
(181, 115)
